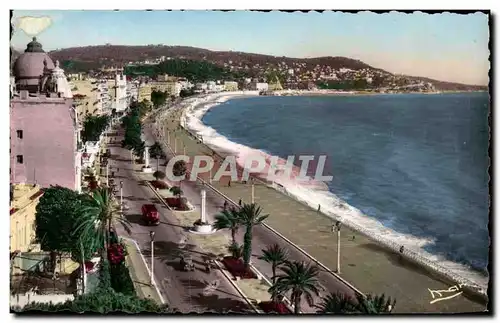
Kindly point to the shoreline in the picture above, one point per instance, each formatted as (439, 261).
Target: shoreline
(212, 100)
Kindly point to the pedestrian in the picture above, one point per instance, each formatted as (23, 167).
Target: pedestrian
(319, 207)
(239, 202)
(225, 205)
(229, 183)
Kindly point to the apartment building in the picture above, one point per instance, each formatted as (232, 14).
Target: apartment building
(24, 199)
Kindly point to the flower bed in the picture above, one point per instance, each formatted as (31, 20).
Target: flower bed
(159, 185)
(116, 253)
(237, 268)
(274, 307)
(177, 204)
(198, 222)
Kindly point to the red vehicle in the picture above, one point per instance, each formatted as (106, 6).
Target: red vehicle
(150, 214)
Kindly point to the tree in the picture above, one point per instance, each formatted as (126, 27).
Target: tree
(103, 301)
(249, 216)
(93, 127)
(377, 304)
(139, 149)
(300, 279)
(179, 169)
(56, 214)
(228, 219)
(159, 175)
(155, 150)
(176, 190)
(186, 93)
(276, 256)
(336, 303)
(97, 214)
(158, 98)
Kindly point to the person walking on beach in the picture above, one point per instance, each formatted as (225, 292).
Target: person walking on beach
(229, 183)
(239, 202)
(319, 207)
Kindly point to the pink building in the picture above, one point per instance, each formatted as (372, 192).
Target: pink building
(43, 134)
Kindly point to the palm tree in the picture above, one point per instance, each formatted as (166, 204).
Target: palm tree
(97, 214)
(276, 256)
(228, 219)
(300, 279)
(377, 304)
(236, 250)
(336, 303)
(249, 216)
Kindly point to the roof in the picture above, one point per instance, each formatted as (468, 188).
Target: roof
(33, 62)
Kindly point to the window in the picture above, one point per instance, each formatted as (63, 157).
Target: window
(19, 159)
(19, 134)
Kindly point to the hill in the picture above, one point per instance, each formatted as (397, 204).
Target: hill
(87, 58)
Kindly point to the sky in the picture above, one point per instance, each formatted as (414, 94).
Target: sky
(448, 47)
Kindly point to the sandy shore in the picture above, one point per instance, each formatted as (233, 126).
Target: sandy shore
(368, 265)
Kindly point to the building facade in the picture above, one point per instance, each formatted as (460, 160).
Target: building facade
(22, 217)
(121, 99)
(43, 124)
(230, 86)
(144, 92)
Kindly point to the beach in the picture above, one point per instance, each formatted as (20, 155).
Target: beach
(367, 263)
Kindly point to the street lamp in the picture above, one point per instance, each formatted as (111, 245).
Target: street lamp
(121, 197)
(152, 236)
(336, 227)
(253, 189)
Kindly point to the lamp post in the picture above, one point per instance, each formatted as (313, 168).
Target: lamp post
(107, 173)
(336, 227)
(152, 236)
(84, 270)
(121, 198)
(253, 190)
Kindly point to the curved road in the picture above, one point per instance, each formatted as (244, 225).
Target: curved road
(262, 237)
(185, 291)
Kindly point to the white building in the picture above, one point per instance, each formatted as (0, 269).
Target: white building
(211, 86)
(259, 86)
(133, 90)
(121, 99)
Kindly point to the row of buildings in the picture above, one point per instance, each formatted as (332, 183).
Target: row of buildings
(47, 110)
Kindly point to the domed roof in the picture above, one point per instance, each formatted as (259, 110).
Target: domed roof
(33, 62)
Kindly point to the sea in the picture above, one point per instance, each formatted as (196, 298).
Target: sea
(414, 165)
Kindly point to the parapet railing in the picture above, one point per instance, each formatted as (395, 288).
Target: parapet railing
(407, 253)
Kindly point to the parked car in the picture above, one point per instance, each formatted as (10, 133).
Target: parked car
(150, 214)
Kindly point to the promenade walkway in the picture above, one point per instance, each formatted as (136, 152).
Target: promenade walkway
(364, 263)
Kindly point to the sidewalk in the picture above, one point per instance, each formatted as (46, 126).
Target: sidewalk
(365, 264)
(140, 273)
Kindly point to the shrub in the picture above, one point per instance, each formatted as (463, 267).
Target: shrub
(103, 300)
(116, 253)
(120, 279)
(159, 175)
(274, 307)
(104, 275)
(159, 185)
(237, 268)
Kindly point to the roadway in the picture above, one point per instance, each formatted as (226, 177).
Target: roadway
(262, 237)
(185, 291)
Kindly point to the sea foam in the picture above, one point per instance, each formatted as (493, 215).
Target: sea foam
(314, 194)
